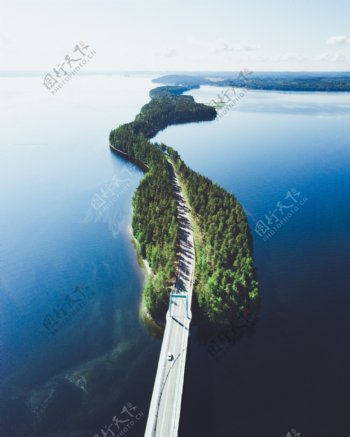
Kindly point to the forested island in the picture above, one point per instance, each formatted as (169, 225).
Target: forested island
(226, 286)
(267, 81)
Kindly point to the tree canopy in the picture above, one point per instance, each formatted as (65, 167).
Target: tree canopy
(226, 283)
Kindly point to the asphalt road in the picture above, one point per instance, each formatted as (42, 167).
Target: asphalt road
(164, 414)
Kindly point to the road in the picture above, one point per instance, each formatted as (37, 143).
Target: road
(164, 414)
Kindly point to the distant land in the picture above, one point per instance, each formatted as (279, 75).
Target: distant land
(260, 80)
(267, 81)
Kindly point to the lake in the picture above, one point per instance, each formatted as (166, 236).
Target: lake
(74, 348)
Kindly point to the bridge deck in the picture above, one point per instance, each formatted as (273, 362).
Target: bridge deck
(164, 414)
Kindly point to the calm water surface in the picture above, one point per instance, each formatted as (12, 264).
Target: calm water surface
(292, 371)
(74, 350)
(67, 264)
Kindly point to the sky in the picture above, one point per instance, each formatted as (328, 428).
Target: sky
(177, 35)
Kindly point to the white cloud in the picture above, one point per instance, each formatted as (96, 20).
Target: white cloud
(4, 41)
(221, 46)
(333, 57)
(290, 57)
(337, 40)
(243, 45)
(168, 52)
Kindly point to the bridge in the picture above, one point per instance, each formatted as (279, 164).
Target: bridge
(164, 413)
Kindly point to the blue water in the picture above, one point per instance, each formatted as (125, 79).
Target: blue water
(292, 371)
(66, 255)
(70, 279)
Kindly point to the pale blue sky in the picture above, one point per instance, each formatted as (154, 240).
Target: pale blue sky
(177, 35)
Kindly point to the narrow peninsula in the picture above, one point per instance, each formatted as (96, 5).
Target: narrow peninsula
(226, 287)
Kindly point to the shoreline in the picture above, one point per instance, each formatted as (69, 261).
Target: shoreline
(144, 315)
(126, 156)
(143, 262)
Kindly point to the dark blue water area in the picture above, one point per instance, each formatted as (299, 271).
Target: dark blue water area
(291, 371)
(74, 347)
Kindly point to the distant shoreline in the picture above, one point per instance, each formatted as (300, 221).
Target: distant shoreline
(264, 81)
